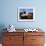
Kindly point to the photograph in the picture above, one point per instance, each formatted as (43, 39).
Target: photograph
(26, 14)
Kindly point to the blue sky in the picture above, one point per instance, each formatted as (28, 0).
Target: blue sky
(27, 10)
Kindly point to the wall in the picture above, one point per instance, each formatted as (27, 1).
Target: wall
(9, 13)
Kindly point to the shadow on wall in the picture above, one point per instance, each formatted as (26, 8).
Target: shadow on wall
(2, 26)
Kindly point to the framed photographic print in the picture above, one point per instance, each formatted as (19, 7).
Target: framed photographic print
(26, 14)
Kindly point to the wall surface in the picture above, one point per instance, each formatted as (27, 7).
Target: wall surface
(9, 13)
